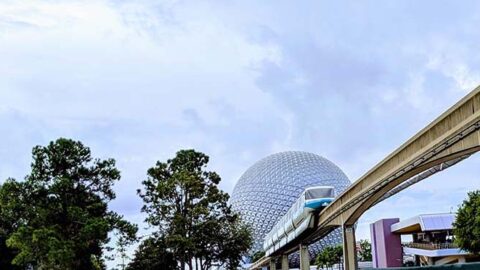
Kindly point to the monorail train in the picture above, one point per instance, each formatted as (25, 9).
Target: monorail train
(298, 218)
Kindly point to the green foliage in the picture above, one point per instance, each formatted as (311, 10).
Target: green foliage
(365, 252)
(183, 201)
(466, 227)
(122, 250)
(232, 241)
(67, 221)
(258, 255)
(10, 220)
(152, 254)
(329, 256)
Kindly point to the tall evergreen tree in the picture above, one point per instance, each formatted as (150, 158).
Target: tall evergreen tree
(152, 254)
(183, 202)
(67, 221)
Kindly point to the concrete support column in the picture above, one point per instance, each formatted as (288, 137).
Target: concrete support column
(304, 258)
(349, 248)
(284, 262)
(273, 264)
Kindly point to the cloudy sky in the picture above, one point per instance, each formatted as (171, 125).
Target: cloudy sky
(238, 80)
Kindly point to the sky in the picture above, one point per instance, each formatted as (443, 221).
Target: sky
(237, 80)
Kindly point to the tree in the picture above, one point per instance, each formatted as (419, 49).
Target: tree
(258, 255)
(183, 202)
(10, 219)
(226, 244)
(329, 256)
(67, 221)
(365, 252)
(152, 255)
(466, 227)
(122, 250)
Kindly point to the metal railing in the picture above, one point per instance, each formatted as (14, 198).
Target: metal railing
(430, 246)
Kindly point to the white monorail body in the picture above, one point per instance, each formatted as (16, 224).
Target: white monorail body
(298, 218)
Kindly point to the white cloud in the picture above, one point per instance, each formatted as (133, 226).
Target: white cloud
(95, 57)
(238, 80)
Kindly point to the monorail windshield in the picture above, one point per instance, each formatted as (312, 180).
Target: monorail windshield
(319, 192)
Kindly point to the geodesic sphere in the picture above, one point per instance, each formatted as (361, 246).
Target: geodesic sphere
(265, 192)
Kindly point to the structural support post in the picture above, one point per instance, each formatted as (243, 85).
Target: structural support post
(284, 262)
(273, 264)
(349, 248)
(304, 258)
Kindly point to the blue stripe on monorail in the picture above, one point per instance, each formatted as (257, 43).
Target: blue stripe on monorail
(318, 203)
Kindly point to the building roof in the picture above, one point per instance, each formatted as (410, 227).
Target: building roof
(423, 223)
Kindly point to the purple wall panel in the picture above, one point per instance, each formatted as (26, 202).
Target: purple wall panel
(386, 246)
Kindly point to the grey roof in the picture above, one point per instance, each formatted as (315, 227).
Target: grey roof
(431, 222)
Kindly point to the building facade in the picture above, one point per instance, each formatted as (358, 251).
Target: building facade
(432, 241)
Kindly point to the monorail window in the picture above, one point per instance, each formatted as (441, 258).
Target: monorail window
(319, 193)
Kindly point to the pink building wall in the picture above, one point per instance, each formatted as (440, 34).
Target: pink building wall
(386, 246)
